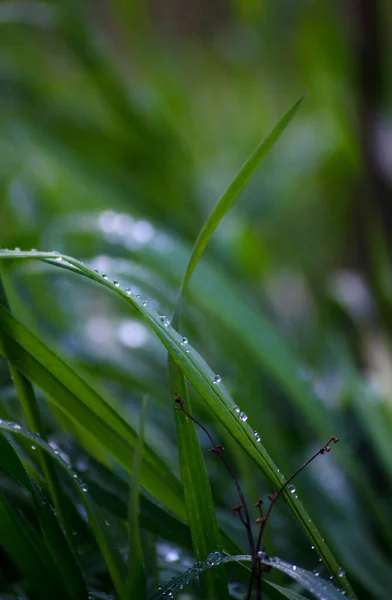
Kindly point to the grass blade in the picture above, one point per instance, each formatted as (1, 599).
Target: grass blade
(233, 191)
(318, 587)
(136, 587)
(200, 506)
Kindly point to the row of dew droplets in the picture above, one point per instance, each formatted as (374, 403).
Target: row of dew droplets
(319, 589)
(184, 343)
(241, 414)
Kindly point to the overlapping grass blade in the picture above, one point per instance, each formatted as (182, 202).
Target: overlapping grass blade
(214, 395)
(83, 405)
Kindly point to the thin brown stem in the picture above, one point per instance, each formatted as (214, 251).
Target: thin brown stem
(219, 449)
(241, 508)
(274, 497)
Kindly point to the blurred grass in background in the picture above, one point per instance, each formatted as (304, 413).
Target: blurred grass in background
(121, 124)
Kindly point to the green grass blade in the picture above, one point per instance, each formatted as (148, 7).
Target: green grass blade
(136, 586)
(200, 506)
(233, 191)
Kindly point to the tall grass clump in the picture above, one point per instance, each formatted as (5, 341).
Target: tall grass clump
(175, 374)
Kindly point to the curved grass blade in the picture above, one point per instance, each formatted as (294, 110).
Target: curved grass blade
(111, 556)
(217, 398)
(318, 587)
(233, 191)
(136, 585)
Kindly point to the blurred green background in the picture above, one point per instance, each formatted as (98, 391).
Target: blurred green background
(121, 125)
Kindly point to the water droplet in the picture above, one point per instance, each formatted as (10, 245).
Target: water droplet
(294, 567)
(291, 489)
(128, 292)
(57, 256)
(84, 487)
(237, 410)
(217, 379)
(138, 296)
(257, 436)
(33, 447)
(16, 427)
(107, 523)
(312, 547)
(243, 417)
(96, 271)
(75, 475)
(165, 320)
(17, 249)
(341, 572)
(316, 573)
(184, 341)
(214, 558)
(104, 276)
(144, 302)
(116, 284)
(187, 351)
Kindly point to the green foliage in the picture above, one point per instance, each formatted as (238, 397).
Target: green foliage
(120, 128)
